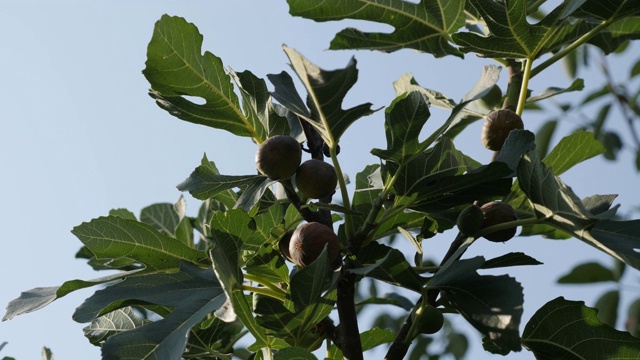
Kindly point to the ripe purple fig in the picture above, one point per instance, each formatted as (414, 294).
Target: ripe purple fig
(308, 241)
(316, 179)
(498, 212)
(278, 157)
(497, 126)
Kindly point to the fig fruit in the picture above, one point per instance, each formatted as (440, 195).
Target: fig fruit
(498, 212)
(497, 126)
(308, 241)
(316, 179)
(470, 220)
(283, 244)
(430, 321)
(278, 157)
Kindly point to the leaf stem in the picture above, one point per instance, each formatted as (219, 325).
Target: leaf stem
(262, 281)
(264, 291)
(564, 52)
(348, 219)
(526, 74)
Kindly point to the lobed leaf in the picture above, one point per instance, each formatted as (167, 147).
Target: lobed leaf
(424, 26)
(563, 329)
(492, 304)
(511, 35)
(206, 181)
(326, 91)
(404, 120)
(176, 67)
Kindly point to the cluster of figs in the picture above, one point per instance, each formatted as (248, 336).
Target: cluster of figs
(280, 158)
(497, 126)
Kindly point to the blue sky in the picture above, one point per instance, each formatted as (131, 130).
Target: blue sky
(80, 136)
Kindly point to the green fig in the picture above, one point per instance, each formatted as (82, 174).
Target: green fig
(316, 179)
(470, 220)
(498, 212)
(278, 157)
(430, 321)
(497, 126)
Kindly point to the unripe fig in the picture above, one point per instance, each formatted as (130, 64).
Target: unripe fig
(308, 241)
(497, 126)
(283, 244)
(278, 157)
(316, 179)
(430, 321)
(498, 212)
(470, 220)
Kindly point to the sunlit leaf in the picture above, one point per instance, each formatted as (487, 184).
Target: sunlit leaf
(112, 323)
(423, 26)
(176, 67)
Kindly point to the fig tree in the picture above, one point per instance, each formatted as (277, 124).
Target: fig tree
(470, 220)
(316, 179)
(497, 126)
(498, 212)
(278, 157)
(308, 241)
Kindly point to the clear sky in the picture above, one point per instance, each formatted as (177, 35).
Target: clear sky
(80, 136)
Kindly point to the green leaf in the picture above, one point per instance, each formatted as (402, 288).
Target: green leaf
(608, 10)
(47, 354)
(423, 26)
(557, 205)
(123, 213)
(294, 353)
(576, 85)
(36, 299)
(308, 283)
(205, 181)
(176, 67)
(492, 304)
(365, 194)
(404, 120)
(269, 265)
(225, 256)
(193, 292)
(114, 237)
(543, 136)
(389, 265)
(572, 150)
(607, 306)
(112, 323)
(564, 329)
(590, 272)
(326, 91)
(511, 259)
(369, 339)
(162, 217)
(259, 107)
(511, 34)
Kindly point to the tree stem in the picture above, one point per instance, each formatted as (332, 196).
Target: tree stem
(350, 334)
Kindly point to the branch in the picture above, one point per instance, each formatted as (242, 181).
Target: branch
(349, 332)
